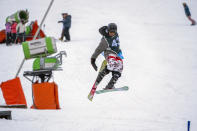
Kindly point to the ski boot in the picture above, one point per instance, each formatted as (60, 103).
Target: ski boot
(66, 40)
(113, 81)
(61, 39)
(109, 86)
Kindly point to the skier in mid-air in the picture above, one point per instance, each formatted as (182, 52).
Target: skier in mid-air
(110, 46)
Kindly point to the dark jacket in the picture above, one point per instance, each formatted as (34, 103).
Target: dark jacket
(105, 45)
(66, 22)
(187, 12)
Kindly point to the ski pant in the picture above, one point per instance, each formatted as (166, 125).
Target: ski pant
(8, 38)
(13, 35)
(192, 20)
(65, 32)
(20, 37)
(105, 71)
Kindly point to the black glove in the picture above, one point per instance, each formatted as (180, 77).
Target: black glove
(59, 21)
(93, 63)
(103, 30)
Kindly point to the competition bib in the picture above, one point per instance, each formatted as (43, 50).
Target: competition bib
(114, 63)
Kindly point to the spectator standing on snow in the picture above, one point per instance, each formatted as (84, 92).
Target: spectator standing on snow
(8, 33)
(188, 14)
(66, 27)
(13, 31)
(21, 31)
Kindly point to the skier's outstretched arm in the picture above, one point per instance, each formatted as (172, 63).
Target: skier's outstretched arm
(60, 21)
(102, 47)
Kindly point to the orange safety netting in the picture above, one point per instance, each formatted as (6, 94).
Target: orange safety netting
(45, 96)
(13, 92)
(2, 36)
(33, 32)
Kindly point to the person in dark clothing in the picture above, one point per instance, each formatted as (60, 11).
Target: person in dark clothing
(66, 26)
(110, 46)
(188, 14)
(8, 33)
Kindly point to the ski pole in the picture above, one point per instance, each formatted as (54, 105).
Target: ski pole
(23, 61)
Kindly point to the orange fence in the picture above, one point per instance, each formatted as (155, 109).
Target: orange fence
(2, 36)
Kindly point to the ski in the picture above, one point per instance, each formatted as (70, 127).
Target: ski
(124, 88)
(92, 92)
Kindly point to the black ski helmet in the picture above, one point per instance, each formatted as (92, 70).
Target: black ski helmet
(112, 27)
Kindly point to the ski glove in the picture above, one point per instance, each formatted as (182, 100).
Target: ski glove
(93, 64)
(103, 31)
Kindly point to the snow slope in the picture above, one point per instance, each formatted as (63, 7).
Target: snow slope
(160, 67)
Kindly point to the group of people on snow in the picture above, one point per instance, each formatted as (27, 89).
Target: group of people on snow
(109, 45)
(15, 32)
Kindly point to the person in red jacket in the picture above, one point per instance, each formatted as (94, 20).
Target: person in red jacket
(13, 31)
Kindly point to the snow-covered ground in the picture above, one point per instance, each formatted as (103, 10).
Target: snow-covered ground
(160, 67)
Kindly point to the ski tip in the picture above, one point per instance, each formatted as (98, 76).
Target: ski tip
(126, 87)
(90, 97)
